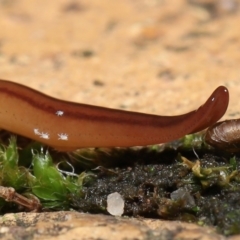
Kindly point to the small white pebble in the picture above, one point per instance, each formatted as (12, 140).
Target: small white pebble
(183, 194)
(115, 204)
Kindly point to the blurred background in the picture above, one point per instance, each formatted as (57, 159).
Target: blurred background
(156, 56)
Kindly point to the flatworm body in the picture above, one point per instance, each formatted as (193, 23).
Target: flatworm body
(67, 126)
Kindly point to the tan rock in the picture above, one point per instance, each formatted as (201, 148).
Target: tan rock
(74, 225)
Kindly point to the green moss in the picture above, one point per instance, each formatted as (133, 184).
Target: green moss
(42, 178)
(11, 174)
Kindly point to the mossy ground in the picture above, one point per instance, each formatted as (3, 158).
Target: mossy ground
(156, 182)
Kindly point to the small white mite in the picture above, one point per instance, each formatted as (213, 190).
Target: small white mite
(59, 113)
(41, 134)
(63, 136)
(44, 135)
(36, 131)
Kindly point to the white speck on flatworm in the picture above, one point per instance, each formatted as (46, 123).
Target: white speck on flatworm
(59, 113)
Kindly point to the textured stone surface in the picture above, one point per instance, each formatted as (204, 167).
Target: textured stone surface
(163, 57)
(152, 56)
(73, 225)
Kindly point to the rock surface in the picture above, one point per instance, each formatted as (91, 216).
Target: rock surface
(160, 57)
(149, 56)
(73, 225)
